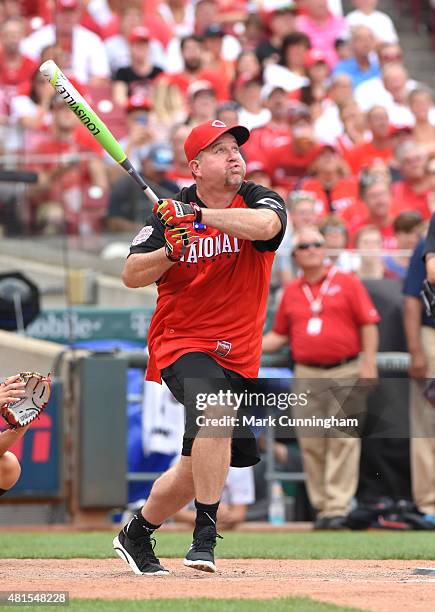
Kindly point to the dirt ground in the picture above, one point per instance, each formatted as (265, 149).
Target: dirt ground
(382, 586)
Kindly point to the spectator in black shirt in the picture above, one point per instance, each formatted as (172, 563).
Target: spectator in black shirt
(137, 77)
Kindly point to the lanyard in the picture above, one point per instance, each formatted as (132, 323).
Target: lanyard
(316, 304)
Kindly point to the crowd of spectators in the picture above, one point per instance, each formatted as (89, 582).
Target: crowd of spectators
(333, 112)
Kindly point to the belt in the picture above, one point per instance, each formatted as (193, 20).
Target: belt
(329, 366)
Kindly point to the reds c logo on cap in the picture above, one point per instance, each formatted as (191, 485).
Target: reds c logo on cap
(205, 134)
(219, 124)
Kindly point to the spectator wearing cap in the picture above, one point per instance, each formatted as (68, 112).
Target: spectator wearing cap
(280, 20)
(118, 48)
(329, 321)
(408, 229)
(289, 163)
(247, 93)
(375, 193)
(85, 54)
(363, 65)
(421, 103)
(412, 191)
(322, 28)
(335, 190)
(290, 72)
(276, 132)
(138, 77)
(141, 133)
(202, 103)
(256, 171)
(378, 147)
(379, 23)
(72, 180)
(128, 206)
(17, 69)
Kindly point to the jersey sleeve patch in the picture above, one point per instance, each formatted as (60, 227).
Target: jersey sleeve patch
(143, 235)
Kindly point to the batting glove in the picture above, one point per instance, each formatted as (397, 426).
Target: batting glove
(177, 240)
(172, 213)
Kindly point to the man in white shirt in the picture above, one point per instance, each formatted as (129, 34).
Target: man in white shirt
(87, 61)
(380, 23)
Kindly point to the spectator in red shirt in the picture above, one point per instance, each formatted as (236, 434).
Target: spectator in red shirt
(354, 127)
(69, 163)
(288, 163)
(334, 189)
(16, 68)
(412, 192)
(376, 195)
(276, 132)
(430, 170)
(379, 146)
(329, 319)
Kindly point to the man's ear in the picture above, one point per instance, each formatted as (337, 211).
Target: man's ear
(194, 167)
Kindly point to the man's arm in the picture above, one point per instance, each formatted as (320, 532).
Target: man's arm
(143, 269)
(273, 342)
(430, 267)
(369, 344)
(244, 223)
(229, 516)
(412, 324)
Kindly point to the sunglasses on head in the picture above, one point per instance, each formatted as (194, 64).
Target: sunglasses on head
(303, 246)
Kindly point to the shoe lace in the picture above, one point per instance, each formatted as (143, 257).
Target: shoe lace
(206, 538)
(145, 550)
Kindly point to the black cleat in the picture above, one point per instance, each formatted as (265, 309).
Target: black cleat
(139, 554)
(200, 555)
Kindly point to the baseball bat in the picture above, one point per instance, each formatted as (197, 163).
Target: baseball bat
(92, 122)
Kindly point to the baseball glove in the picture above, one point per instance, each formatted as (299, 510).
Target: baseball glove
(428, 296)
(36, 395)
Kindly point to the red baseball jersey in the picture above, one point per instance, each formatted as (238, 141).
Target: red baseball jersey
(346, 306)
(214, 300)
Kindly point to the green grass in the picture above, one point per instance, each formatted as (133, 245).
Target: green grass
(287, 604)
(311, 545)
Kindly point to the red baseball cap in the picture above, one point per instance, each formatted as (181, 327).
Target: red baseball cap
(314, 56)
(138, 102)
(139, 34)
(67, 4)
(205, 134)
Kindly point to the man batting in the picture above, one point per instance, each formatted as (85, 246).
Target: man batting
(210, 252)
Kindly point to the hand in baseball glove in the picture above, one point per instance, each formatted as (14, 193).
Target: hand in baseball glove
(428, 297)
(21, 409)
(177, 240)
(172, 212)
